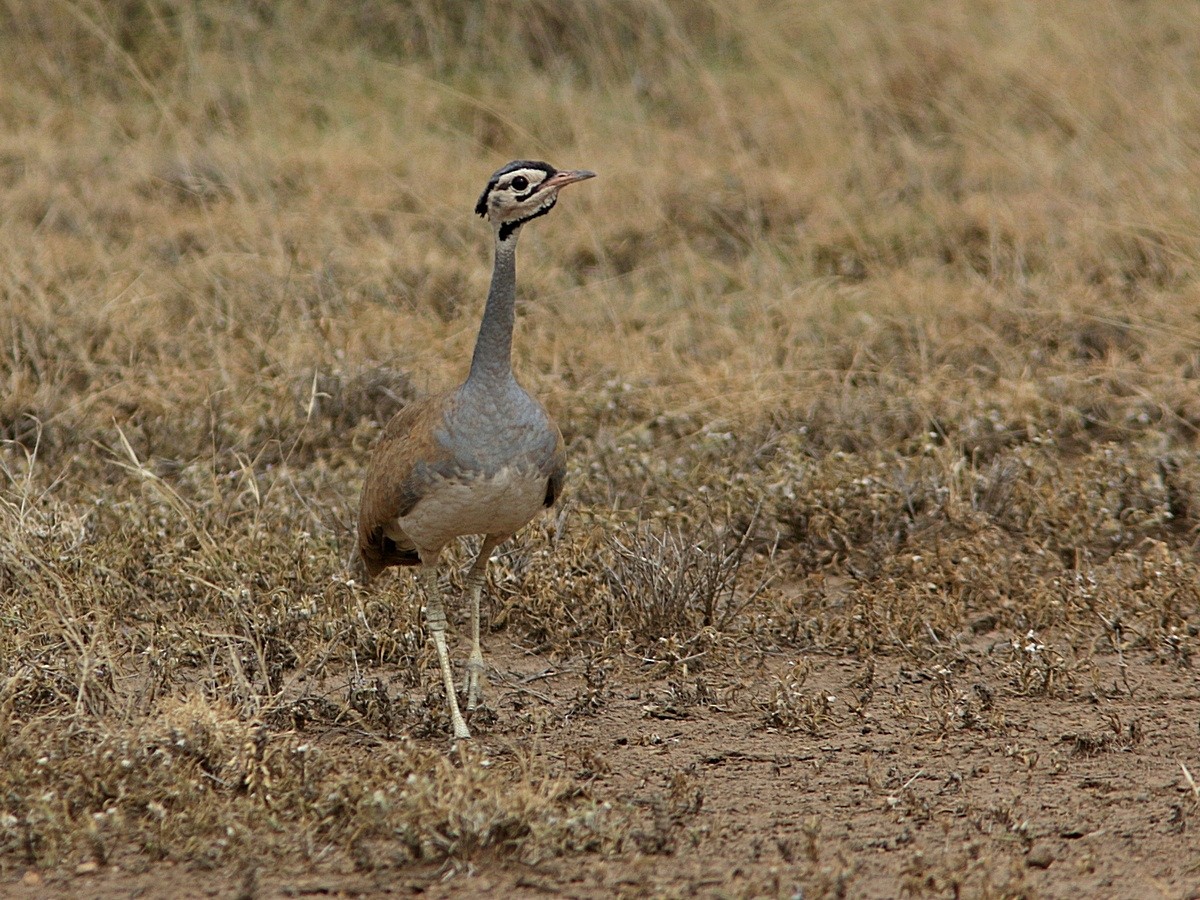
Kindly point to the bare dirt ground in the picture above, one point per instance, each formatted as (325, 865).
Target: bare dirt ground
(876, 349)
(920, 779)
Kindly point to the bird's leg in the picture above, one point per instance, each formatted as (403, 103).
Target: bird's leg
(435, 619)
(473, 686)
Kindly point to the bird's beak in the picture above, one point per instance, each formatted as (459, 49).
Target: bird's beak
(561, 179)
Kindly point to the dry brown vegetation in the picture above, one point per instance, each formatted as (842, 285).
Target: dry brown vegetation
(876, 346)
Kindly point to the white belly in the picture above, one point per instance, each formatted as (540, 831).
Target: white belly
(501, 504)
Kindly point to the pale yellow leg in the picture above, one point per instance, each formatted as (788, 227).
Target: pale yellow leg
(475, 669)
(435, 619)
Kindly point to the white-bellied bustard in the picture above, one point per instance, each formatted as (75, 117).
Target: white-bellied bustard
(484, 458)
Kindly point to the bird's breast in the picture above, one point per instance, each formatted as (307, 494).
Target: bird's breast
(489, 433)
(499, 503)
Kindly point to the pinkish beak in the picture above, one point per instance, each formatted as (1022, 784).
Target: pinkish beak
(562, 179)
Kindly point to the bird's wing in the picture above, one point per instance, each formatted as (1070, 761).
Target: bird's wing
(404, 464)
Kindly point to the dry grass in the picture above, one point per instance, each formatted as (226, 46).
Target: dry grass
(878, 336)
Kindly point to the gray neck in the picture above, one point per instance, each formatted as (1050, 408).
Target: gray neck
(492, 362)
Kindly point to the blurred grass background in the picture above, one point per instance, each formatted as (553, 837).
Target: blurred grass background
(252, 192)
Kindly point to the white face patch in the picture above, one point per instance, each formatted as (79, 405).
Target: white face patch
(516, 188)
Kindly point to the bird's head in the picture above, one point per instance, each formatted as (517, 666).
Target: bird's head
(521, 191)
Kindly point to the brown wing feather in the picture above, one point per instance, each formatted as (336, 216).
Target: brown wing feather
(400, 468)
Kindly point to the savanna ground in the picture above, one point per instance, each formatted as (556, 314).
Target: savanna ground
(876, 346)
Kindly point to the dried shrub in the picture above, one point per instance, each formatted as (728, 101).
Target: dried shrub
(667, 586)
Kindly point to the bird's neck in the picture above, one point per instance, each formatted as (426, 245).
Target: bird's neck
(492, 362)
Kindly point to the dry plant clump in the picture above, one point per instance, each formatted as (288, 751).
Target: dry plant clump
(877, 357)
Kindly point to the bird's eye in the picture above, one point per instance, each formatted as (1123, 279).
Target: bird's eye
(520, 183)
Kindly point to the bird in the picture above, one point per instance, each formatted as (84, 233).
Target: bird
(481, 459)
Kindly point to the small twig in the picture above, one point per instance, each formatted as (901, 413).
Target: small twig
(669, 662)
(1191, 782)
(538, 676)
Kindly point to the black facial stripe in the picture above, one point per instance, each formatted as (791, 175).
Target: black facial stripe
(509, 227)
(481, 206)
(518, 164)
